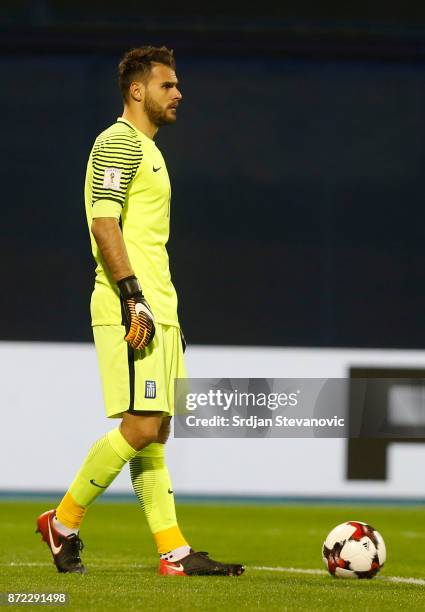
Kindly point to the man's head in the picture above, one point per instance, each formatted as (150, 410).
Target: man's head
(147, 77)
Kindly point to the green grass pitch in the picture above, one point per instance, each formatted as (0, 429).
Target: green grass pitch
(121, 561)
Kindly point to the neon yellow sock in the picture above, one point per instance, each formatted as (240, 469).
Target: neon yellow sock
(70, 513)
(103, 463)
(152, 485)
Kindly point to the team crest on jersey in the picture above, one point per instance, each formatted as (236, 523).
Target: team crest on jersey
(112, 178)
(150, 389)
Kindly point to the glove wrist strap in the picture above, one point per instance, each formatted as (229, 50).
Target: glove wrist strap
(129, 287)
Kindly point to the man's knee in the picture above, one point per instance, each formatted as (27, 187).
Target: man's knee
(164, 430)
(141, 429)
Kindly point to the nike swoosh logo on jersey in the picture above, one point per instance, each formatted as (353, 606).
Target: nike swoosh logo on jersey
(96, 485)
(55, 549)
(178, 567)
(156, 169)
(170, 491)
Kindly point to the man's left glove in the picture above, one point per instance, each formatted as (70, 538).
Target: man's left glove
(140, 322)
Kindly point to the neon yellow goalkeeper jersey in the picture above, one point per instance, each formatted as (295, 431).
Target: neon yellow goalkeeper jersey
(127, 179)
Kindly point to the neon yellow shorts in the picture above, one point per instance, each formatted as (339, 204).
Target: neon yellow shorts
(135, 380)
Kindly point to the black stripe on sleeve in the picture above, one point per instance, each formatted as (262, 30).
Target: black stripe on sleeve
(110, 152)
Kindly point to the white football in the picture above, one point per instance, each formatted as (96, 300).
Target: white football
(354, 550)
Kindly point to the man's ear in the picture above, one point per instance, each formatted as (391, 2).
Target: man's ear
(137, 91)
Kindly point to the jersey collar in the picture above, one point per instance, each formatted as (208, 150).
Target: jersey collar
(145, 138)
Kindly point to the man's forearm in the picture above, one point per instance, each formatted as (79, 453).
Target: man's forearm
(109, 239)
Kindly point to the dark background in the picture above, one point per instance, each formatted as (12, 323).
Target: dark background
(296, 166)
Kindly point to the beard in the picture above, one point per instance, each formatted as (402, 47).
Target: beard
(156, 114)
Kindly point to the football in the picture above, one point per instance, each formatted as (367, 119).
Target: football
(354, 550)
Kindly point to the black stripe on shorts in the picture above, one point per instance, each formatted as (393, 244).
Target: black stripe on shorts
(131, 374)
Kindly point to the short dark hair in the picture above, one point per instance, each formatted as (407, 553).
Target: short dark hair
(139, 62)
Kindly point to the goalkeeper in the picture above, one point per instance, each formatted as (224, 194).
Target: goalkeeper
(135, 325)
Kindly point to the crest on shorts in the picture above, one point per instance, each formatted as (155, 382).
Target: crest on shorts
(150, 389)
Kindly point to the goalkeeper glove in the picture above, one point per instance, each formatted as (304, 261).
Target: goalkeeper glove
(140, 322)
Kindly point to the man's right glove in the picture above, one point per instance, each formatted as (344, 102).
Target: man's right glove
(140, 322)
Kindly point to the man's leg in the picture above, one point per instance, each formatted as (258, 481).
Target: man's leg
(152, 485)
(149, 473)
(103, 463)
